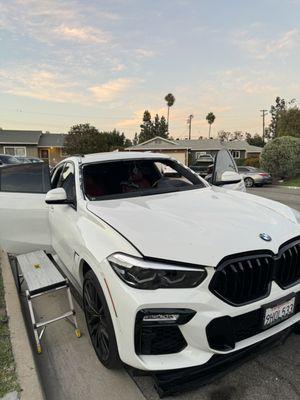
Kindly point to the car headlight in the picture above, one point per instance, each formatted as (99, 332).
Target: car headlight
(296, 214)
(150, 275)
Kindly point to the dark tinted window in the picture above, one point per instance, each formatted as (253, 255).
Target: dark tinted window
(25, 178)
(55, 176)
(242, 169)
(140, 177)
(67, 180)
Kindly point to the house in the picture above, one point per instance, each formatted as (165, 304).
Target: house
(161, 145)
(47, 146)
(188, 151)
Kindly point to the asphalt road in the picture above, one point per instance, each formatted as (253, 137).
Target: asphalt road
(290, 197)
(69, 369)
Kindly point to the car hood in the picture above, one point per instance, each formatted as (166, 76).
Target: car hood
(199, 226)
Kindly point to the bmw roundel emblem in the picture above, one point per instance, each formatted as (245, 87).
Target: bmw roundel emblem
(265, 237)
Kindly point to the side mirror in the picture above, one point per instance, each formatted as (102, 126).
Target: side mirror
(57, 196)
(229, 177)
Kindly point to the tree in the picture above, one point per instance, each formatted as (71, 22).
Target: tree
(224, 136)
(288, 123)
(280, 156)
(237, 135)
(150, 129)
(146, 128)
(281, 110)
(135, 139)
(170, 99)
(210, 118)
(84, 139)
(255, 140)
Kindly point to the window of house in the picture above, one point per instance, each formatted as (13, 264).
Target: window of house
(236, 154)
(15, 151)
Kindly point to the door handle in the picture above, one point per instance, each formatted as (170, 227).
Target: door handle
(51, 208)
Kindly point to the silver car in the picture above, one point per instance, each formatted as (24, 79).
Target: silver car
(254, 176)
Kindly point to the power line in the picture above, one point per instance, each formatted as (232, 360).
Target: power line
(263, 115)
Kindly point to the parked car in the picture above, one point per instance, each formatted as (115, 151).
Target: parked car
(173, 273)
(23, 160)
(201, 165)
(35, 160)
(254, 176)
(6, 159)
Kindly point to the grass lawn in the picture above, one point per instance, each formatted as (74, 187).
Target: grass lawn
(293, 182)
(8, 378)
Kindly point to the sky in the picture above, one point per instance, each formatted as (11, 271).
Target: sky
(64, 62)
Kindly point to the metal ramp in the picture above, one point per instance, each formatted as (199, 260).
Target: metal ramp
(41, 277)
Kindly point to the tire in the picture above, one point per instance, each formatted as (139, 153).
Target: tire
(249, 182)
(99, 322)
(297, 328)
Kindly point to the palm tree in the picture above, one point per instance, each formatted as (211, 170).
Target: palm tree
(170, 99)
(210, 118)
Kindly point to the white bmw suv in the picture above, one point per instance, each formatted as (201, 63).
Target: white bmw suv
(174, 273)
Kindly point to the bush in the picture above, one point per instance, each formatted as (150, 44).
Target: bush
(281, 156)
(252, 162)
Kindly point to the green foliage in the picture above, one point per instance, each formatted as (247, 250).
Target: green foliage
(170, 99)
(85, 139)
(255, 140)
(288, 123)
(150, 129)
(252, 162)
(280, 156)
(210, 118)
(281, 111)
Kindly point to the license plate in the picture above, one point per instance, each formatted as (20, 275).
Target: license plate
(278, 311)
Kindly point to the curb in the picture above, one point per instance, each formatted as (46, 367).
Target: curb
(27, 373)
(292, 187)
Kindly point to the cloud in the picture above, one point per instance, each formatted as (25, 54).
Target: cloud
(52, 20)
(118, 68)
(145, 53)
(110, 90)
(262, 48)
(39, 84)
(82, 34)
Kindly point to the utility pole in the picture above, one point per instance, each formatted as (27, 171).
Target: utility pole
(189, 122)
(264, 113)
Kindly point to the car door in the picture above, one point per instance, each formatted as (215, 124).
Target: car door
(24, 222)
(225, 172)
(63, 217)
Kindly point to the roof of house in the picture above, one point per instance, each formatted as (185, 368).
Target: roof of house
(52, 140)
(195, 145)
(19, 137)
(159, 143)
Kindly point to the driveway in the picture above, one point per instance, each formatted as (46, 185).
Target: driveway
(70, 370)
(290, 197)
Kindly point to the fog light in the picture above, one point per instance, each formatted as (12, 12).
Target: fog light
(161, 318)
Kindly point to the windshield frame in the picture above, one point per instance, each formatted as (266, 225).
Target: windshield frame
(183, 169)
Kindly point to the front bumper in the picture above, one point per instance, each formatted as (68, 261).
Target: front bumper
(128, 302)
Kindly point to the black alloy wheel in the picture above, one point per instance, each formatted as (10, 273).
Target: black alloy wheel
(99, 322)
(249, 182)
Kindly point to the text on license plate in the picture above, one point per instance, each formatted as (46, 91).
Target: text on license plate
(278, 312)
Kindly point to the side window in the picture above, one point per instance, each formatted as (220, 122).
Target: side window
(67, 181)
(25, 178)
(55, 175)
